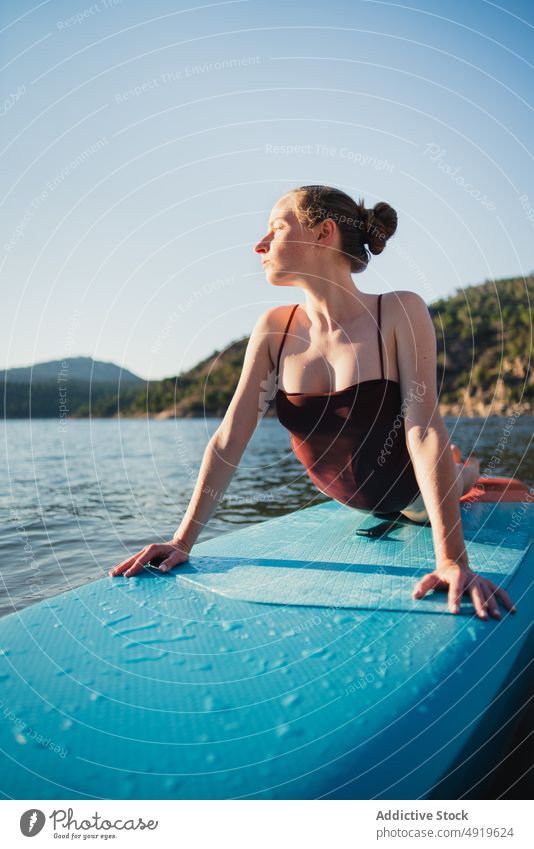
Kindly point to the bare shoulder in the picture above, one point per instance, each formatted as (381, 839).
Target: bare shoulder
(412, 321)
(272, 324)
(407, 312)
(404, 302)
(275, 316)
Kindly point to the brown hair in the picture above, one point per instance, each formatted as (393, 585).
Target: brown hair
(357, 225)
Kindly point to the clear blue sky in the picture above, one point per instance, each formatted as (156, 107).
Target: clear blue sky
(140, 160)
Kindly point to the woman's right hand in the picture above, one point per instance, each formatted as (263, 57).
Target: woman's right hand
(165, 555)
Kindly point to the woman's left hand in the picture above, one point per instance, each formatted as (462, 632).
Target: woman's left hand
(456, 578)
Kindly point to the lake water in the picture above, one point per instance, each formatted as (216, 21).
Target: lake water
(77, 500)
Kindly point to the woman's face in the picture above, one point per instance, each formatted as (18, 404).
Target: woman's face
(287, 250)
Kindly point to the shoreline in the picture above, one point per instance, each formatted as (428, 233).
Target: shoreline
(451, 411)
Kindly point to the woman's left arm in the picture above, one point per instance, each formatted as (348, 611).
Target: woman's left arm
(429, 448)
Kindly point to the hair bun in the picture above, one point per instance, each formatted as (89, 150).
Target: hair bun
(379, 224)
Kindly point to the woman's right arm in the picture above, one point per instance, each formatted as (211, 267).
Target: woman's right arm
(222, 454)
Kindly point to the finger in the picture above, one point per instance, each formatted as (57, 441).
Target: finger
(470, 579)
(488, 588)
(479, 600)
(428, 582)
(140, 560)
(167, 564)
(456, 591)
(121, 567)
(175, 558)
(505, 599)
(137, 566)
(501, 595)
(136, 563)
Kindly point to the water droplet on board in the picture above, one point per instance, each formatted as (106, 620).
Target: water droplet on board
(282, 730)
(146, 658)
(208, 702)
(289, 699)
(66, 724)
(66, 671)
(200, 667)
(342, 618)
(135, 629)
(231, 626)
(117, 620)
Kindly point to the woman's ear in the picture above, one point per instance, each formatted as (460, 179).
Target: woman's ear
(326, 229)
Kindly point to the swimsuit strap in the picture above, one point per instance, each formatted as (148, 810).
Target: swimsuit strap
(283, 340)
(380, 336)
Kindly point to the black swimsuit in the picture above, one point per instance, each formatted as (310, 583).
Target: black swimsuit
(352, 441)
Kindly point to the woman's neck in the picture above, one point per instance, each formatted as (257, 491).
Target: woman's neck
(330, 304)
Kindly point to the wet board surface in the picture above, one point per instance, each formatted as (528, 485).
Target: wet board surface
(317, 557)
(207, 683)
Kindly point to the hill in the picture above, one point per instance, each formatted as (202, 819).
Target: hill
(66, 388)
(75, 368)
(484, 341)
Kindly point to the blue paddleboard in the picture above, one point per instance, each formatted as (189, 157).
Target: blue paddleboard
(286, 660)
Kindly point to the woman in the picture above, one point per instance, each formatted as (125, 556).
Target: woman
(374, 442)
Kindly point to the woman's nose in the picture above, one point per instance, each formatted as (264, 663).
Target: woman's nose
(262, 246)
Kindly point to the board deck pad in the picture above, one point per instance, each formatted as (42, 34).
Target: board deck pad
(316, 557)
(153, 688)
